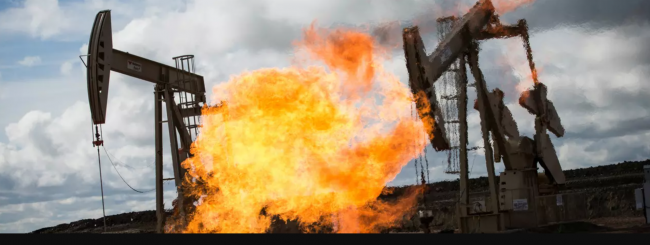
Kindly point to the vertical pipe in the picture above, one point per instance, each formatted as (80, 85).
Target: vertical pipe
(101, 184)
(160, 209)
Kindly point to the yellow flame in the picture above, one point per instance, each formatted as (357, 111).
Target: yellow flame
(317, 144)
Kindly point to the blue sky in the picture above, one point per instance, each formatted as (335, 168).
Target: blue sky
(594, 66)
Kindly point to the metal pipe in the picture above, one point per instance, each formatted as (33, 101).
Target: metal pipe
(101, 184)
(160, 209)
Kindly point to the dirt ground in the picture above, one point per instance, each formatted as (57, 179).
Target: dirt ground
(624, 224)
(601, 225)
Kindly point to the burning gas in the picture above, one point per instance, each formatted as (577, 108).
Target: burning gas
(505, 6)
(317, 144)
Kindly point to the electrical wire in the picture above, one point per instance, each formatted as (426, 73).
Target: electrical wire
(118, 173)
(117, 163)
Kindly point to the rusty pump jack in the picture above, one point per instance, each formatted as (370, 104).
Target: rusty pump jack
(519, 185)
(181, 117)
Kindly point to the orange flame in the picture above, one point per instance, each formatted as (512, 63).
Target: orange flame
(514, 62)
(505, 6)
(305, 143)
(500, 6)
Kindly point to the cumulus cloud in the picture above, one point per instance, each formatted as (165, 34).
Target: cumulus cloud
(30, 61)
(70, 20)
(66, 67)
(45, 18)
(44, 150)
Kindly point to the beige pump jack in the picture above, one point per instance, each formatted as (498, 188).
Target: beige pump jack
(518, 199)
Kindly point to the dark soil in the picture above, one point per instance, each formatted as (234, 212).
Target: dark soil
(139, 222)
(573, 227)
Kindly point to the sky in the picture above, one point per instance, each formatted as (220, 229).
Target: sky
(592, 55)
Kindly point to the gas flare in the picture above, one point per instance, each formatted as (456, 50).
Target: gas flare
(505, 6)
(317, 144)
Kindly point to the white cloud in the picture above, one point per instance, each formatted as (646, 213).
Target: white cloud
(42, 18)
(45, 150)
(72, 20)
(84, 49)
(30, 61)
(66, 67)
(65, 210)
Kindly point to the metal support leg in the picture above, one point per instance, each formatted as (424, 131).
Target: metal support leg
(462, 118)
(173, 143)
(485, 126)
(160, 209)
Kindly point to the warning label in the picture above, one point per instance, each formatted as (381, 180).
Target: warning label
(520, 204)
(135, 66)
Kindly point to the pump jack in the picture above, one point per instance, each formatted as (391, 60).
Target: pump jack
(169, 81)
(508, 205)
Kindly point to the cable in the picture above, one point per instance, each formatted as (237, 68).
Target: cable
(122, 164)
(118, 172)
